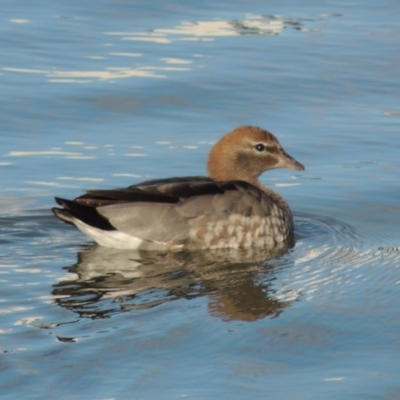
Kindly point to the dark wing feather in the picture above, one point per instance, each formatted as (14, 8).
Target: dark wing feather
(85, 213)
(180, 179)
(98, 198)
(164, 191)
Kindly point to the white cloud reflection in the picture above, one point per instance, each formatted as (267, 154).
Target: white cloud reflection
(19, 21)
(204, 29)
(185, 31)
(120, 54)
(208, 30)
(42, 153)
(175, 61)
(110, 73)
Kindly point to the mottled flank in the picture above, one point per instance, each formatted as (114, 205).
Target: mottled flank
(240, 231)
(228, 209)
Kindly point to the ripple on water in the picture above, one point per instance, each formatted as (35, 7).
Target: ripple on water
(331, 259)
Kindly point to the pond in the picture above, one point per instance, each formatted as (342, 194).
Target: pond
(110, 95)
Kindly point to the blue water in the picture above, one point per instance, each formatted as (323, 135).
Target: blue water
(106, 94)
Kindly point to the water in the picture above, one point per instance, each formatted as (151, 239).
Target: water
(108, 95)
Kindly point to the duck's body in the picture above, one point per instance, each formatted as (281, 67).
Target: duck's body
(228, 209)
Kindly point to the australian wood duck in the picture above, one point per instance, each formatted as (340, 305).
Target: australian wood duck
(230, 208)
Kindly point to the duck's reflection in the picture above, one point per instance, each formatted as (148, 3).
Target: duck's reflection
(237, 282)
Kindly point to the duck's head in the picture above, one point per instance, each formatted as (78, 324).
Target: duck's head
(245, 153)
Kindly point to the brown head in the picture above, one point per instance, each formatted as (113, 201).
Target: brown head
(245, 153)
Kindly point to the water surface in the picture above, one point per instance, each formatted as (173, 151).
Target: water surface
(107, 96)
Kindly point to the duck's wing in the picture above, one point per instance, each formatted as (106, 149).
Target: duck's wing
(165, 191)
(165, 211)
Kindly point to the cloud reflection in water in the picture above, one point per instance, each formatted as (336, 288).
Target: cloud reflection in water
(185, 31)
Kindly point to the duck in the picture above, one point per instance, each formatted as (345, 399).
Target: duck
(229, 208)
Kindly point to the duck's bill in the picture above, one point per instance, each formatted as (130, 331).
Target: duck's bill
(287, 161)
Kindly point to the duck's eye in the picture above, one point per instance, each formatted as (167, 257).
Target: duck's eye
(259, 147)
